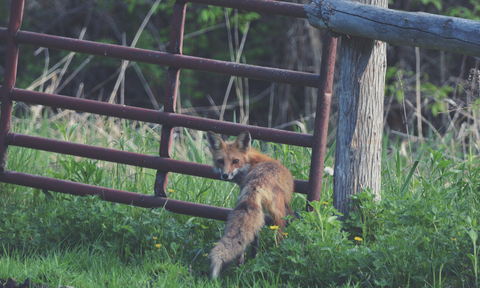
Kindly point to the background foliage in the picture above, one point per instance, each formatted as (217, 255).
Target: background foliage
(273, 41)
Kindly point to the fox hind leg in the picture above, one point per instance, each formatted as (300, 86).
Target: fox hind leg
(253, 253)
(255, 246)
(241, 259)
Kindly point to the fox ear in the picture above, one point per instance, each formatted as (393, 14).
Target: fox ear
(215, 142)
(244, 141)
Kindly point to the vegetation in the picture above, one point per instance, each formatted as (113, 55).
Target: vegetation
(423, 232)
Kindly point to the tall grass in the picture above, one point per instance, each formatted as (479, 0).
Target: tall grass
(422, 233)
(37, 224)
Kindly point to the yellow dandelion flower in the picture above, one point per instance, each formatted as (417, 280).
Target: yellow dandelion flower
(158, 245)
(285, 234)
(215, 243)
(205, 255)
(154, 238)
(454, 239)
(171, 190)
(325, 203)
(358, 239)
(274, 227)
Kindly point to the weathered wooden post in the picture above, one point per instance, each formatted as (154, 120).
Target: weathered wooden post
(360, 113)
(360, 107)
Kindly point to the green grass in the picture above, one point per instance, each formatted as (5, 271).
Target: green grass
(422, 233)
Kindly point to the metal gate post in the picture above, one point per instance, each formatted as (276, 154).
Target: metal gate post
(16, 15)
(171, 87)
(319, 142)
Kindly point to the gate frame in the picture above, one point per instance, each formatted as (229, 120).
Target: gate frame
(169, 119)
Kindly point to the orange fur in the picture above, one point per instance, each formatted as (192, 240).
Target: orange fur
(265, 184)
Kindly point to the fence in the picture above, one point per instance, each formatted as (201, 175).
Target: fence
(13, 36)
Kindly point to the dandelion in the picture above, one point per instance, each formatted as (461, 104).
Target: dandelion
(328, 170)
(205, 255)
(154, 238)
(454, 240)
(158, 245)
(285, 234)
(215, 243)
(274, 227)
(358, 239)
(325, 203)
(171, 190)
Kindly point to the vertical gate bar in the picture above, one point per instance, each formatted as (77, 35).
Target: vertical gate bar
(16, 14)
(319, 143)
(171, 85)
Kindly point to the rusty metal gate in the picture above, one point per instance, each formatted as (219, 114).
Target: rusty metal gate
(13, 36)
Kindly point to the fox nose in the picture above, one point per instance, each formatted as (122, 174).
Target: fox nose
(224, 176)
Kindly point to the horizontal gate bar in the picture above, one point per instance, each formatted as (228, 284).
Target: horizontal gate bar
(163, 118)
(123, 157)
(261, 6)
(117, 196)
(167, 59)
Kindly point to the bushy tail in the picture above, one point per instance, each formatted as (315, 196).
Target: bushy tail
(243, 223)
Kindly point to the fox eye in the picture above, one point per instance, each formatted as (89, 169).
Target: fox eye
(235, 161)
(220, 161)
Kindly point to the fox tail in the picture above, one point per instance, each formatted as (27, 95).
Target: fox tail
(243, 224)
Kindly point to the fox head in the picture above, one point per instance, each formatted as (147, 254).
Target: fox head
(230, 159)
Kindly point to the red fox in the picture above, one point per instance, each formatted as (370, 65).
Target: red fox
(265, 184)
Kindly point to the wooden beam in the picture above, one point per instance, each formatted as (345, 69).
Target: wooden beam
(417, 29)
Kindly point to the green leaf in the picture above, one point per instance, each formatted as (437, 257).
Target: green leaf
(72, 129)
(469, 220)
(472, 258)
(193, 148)
(331, 219)
(409, 176)
(331, 150)
(48, 195)
(128, 228)
(473, 235)
(444, 163)
(399, 95)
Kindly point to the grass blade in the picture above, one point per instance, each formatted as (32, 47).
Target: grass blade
(415, 164)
